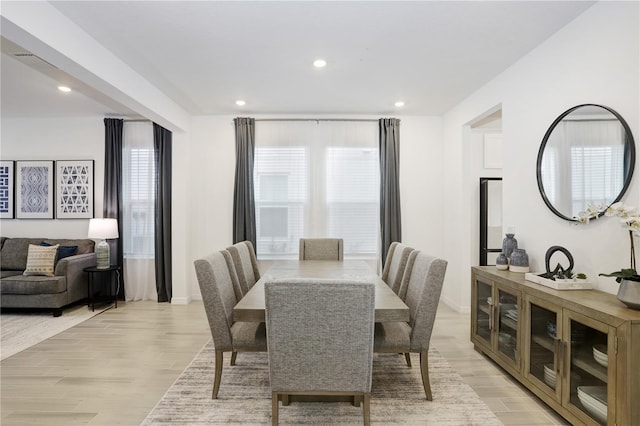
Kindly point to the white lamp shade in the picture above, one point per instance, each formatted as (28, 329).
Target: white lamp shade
(103, 228)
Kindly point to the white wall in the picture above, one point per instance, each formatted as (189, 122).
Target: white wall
(54, 139)
(594, 59)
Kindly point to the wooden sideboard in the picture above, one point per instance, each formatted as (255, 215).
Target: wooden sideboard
(568, 347)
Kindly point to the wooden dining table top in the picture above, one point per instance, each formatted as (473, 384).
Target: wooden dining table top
(388, 306)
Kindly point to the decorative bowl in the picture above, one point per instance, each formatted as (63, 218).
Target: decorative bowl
(594, 401)
(550, 375)
(600, 355)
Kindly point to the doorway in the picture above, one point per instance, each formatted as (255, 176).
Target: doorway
(490, 220)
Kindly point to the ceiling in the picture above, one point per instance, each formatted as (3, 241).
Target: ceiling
(205, 55)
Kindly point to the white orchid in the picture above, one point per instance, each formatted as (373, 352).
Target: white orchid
(592, 211)
(620, 210)
(630, 220)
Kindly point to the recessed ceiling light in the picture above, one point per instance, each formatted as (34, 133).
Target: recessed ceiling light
(64, 89)
(319, 63)
(240, 102)
(399, 104)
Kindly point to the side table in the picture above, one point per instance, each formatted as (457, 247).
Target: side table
(111, 271)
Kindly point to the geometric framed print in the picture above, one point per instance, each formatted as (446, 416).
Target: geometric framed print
(7, 189)
(34, 189)
(74, 189)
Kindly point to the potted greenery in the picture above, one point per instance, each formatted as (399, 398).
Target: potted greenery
(629, 280)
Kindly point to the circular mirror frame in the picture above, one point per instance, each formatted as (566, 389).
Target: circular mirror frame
(632, 163)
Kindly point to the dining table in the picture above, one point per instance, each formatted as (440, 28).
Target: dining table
(388, 306)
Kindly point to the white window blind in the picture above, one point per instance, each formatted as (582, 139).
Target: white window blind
(597, 162)
(138, 190)
(316, 179)
(138, 223)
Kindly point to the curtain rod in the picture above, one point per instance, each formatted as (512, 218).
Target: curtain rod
(317, 119)
(136, 120)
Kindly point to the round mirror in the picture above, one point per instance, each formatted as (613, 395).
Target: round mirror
(586, 158)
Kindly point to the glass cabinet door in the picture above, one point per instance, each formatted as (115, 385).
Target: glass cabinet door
(507, 323)
(590, 343)
(483, 321)
(544, 345)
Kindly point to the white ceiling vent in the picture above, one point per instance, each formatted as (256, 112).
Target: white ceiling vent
(33, 61)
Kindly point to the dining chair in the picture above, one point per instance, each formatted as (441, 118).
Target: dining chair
(320, 339)
(245, 263)
(321, 249)
(422, 298)
(233, 274)
(406, 275)
(219, 299)
(395, 264)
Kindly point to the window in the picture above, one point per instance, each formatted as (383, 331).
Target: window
(139, 177)
(353, 208)
(596, 174)
(316, 179)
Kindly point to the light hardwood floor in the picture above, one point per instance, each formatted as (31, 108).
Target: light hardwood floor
(113, 369)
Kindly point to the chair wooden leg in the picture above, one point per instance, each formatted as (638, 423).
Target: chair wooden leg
(407, 356)
(274, 408)
(233, 357)
(366, 409)
(424, 370)
(217, 374)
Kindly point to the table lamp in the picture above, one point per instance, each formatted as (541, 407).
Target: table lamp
(103, 229)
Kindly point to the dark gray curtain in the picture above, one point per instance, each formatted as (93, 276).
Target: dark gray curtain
(244, 206)
(389, 144)
(162, 152)
(112, 201)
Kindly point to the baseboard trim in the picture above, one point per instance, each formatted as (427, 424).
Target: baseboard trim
(456, 307)
(180, 300)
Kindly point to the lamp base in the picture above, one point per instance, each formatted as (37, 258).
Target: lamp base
(103, 254)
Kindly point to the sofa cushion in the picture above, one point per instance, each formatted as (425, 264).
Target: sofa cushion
(63, 251)
(8, 273)
(41, 260)
(14, 252)
(85, 245)
(22, 284)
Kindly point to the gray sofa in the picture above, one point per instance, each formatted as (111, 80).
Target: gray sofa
(68, 285)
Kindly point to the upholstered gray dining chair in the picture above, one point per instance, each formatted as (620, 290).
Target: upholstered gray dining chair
(321, 249)
(395, 265)
(423, 295)
(320, 339)
(219, 299)
(245, 263)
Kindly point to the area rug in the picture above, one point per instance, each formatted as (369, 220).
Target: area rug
(21, 330)
(245, 397)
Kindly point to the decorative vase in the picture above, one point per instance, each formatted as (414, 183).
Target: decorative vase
(629, 293)
(519, 261)
(508, 245)
(502, 263)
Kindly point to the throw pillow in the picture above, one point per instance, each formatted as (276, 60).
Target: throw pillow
(63, 251)
(41, 260)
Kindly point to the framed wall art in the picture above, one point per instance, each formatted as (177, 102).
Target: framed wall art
(74, 189)
(34, 189)
(7, 189)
